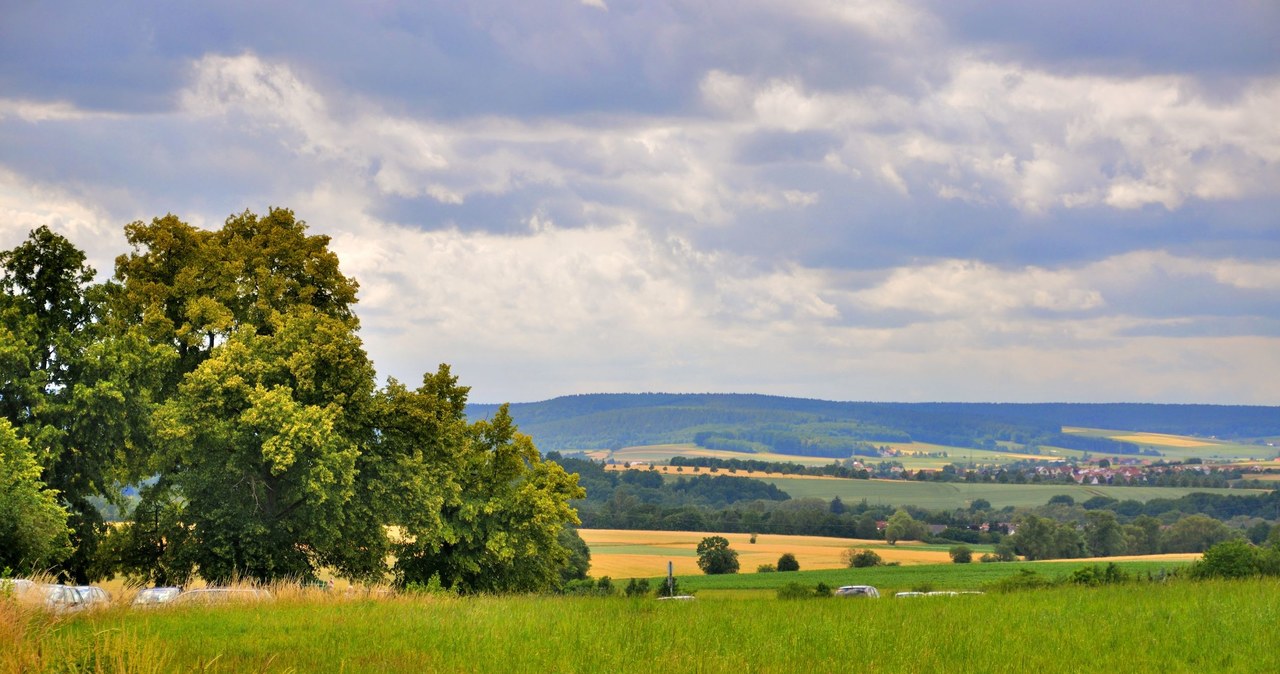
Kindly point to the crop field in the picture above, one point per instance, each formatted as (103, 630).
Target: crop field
(1181, 447)
(621, 553)
(915, 455)
(1176, 626)
(951, 495)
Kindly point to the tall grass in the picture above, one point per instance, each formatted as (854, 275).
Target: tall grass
(1148, 627)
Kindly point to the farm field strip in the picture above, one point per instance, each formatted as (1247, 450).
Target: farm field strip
(951, 495)
(620, 553)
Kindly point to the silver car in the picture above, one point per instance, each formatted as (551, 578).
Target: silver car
(155, 596)
(858, 591)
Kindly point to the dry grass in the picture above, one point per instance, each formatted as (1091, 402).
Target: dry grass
(626, 554)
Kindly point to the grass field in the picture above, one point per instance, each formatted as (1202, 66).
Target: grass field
(890, 579)
(1169, 627)
(951, 495)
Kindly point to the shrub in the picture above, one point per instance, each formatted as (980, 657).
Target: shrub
(1099, 575)
(794, 590)
(961, 554)
(1025, 579)
(861, 559)
(1235, 558)
(823, 590)
(787, 562)
(637, 588)
(672, 590)
(766, 568)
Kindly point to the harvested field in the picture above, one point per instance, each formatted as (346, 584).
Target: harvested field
(624, 554)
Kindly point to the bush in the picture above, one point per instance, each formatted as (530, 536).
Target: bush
(637, 588)
(787, 562)
(672, 590)
(1230, 559)
(766, 568)
(861, 559)
(823, 590)
(1025, 579)
(1099, 575)
(961, 554)
(794, 590)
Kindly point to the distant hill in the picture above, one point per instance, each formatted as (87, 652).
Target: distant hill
(838, 429)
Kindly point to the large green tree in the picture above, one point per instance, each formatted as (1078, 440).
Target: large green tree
(78, 397)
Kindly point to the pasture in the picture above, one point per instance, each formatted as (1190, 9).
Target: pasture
(1148, 627)
(952, 495)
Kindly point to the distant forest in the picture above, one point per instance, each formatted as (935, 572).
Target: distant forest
(804, 427)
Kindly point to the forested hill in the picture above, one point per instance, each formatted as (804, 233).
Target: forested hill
(610, 421)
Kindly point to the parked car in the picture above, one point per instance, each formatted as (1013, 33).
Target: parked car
(16, 587)
(62, 598)
(92, 596)
(909, 594)
(155, 596)
(221, 595)
(858, 591)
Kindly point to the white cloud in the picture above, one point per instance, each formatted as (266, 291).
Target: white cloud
(26, 205)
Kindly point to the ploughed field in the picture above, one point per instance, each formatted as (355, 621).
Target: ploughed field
(1177, 626)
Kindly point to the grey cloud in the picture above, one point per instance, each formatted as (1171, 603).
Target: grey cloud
(1231, 37)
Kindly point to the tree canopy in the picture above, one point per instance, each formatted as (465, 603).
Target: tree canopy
(223, 371)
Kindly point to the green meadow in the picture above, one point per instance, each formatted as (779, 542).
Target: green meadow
(951, 495)
(1147, 627)
(890, 579)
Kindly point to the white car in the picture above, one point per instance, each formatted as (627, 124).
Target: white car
(92, 596)
(858, 591)
(154, 596)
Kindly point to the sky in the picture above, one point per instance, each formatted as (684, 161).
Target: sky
(851, 200)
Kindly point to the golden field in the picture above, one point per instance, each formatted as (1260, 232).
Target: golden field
(635, 554)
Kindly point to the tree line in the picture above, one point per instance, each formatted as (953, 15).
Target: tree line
(223, 370)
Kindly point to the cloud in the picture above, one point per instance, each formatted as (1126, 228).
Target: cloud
(873, 199)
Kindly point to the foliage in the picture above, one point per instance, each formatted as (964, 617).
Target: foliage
(855, 558)
(223, 371)
(637, 587)
(766, 568)
(716, 557)
(33, 526)
(903, 527)
(579, 560)
(961, 554)
(1099, 575)
(1236, 558)
(787, 562)
(1043, 538)
(796, 590)
(1196, 533)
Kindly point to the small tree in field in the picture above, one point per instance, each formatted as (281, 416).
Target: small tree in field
(716, 557)
(787, 562)
(860, 559)
(961, 554)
